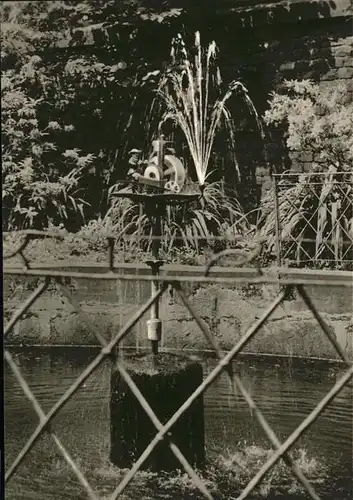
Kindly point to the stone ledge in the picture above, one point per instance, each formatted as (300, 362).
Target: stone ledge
(289, 331)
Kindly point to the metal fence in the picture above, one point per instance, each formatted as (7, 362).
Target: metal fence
(313, 219)
(287, 281)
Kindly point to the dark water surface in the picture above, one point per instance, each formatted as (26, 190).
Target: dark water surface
(285, 394)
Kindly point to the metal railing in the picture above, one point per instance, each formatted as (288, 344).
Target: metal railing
(287, 279)
(312, 219)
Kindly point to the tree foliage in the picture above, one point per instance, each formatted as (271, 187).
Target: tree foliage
(67, 115)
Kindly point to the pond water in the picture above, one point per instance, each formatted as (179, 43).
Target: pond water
(285, 392)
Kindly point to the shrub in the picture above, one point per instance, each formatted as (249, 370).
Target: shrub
(317, 120)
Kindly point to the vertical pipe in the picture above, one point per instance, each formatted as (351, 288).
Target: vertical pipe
(155, 269)
(156, 218)
(278, 226)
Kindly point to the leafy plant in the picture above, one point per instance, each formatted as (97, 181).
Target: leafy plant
(315, 210)
(190, 226)
(196, 225)
(40, 184)
(192, 98)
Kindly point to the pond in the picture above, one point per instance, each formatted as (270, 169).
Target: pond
(286, 392)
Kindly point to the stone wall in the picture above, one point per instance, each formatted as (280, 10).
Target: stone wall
(227, 311)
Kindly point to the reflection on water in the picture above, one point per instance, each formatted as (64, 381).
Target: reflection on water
(284, 393)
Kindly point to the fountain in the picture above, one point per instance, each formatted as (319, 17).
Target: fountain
(166, 380)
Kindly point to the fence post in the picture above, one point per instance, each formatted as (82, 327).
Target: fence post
(154, 324)
(278, 225)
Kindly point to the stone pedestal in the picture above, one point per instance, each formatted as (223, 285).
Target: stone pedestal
(166, 381)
